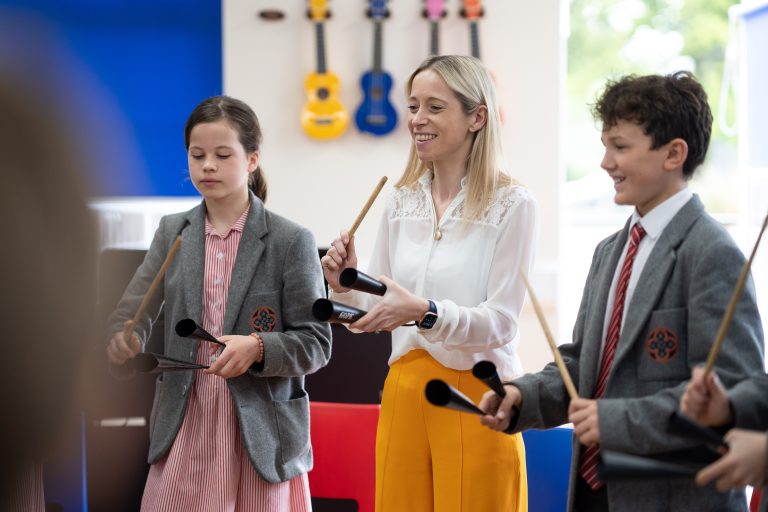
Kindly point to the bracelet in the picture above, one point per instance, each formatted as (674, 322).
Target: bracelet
(260, 342)
(331, 290)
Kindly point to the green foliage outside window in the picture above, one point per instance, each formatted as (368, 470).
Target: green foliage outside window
(611, 38)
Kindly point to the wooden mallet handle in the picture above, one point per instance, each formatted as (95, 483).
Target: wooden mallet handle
(550, 339)
(152, 287)
(728, 316)
(367, 206)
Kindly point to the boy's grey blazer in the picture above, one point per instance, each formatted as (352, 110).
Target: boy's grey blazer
(680, 299)
(275, 279)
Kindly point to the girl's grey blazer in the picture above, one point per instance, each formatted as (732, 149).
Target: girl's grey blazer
(275, 280)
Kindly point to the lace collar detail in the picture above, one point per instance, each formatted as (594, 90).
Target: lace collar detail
(415, 202)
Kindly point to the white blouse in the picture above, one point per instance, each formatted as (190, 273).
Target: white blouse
(471, 273)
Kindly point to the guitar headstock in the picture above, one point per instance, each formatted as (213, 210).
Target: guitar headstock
(318, 10)
(377, 9)
(472, 9)
(435, 9)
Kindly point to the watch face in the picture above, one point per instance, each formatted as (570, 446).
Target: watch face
(428, 321)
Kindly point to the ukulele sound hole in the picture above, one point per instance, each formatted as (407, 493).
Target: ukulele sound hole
(376, 94)
(323, 93)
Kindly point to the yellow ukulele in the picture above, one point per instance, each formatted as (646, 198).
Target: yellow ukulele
(323, 116)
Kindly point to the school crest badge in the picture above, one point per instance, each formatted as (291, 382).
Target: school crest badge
(263, 319)
(662, 344)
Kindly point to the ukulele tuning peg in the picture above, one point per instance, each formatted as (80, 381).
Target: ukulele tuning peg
(425, 13)
(327, 14)
(273, 14)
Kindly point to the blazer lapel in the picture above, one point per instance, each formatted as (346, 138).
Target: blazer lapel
(655, 276)
(249, 253)
(593, 333)
(193, 261)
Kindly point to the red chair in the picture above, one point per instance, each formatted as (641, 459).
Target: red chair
(754, 504)
(344, 446)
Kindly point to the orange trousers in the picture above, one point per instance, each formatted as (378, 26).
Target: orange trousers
(431, 458)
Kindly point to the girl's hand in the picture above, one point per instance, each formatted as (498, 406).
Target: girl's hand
(396, 308)
(340, 255)
(239, 354)
(121, 348)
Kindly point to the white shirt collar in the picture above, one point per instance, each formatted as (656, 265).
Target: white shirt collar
(426, 180)
(657, 219)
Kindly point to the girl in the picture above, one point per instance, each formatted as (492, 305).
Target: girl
(450, 244)
(234, 436)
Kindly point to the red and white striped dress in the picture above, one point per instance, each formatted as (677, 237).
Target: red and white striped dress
(207, 468)
(25, 491)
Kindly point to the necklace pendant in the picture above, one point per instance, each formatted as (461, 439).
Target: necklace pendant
(438, 234)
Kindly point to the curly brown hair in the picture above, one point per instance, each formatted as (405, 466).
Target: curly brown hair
(665, 106)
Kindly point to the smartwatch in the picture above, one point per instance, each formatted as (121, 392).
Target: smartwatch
(429, 318)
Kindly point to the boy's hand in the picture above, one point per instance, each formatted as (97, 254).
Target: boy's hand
(705, 400)
(499, 413)
(235, 359)
(582, 412)
(742, 465)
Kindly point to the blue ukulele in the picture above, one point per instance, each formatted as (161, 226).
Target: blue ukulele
(376, 115)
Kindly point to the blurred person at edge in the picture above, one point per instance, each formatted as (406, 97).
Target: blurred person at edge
(48, 282)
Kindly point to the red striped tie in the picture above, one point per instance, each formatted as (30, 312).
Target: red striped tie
(589, 457)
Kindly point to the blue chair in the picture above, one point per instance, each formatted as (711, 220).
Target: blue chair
(548, 461)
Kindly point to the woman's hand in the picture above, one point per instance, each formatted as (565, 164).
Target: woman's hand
(121, 348)
(397, 307)
(340, 255)
(239, 354)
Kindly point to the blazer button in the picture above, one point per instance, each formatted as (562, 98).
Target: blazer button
(184, 390)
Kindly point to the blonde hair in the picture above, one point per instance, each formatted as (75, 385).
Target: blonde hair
(485, 164)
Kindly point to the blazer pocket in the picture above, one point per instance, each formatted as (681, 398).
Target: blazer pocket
(261, 313)
(664, 347)
(293, 426)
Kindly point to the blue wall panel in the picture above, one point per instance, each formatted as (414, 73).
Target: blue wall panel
(129, 74)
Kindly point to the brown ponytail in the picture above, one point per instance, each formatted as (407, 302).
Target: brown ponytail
(258, 184)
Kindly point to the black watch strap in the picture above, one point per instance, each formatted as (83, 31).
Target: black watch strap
(430, 317)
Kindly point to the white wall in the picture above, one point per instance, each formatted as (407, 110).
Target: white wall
(323, 184)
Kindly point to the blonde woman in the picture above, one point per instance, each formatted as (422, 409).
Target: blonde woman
(453, 235)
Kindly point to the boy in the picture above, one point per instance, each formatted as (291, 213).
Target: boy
(653, 299)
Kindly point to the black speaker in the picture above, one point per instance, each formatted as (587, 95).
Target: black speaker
(116, 449)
